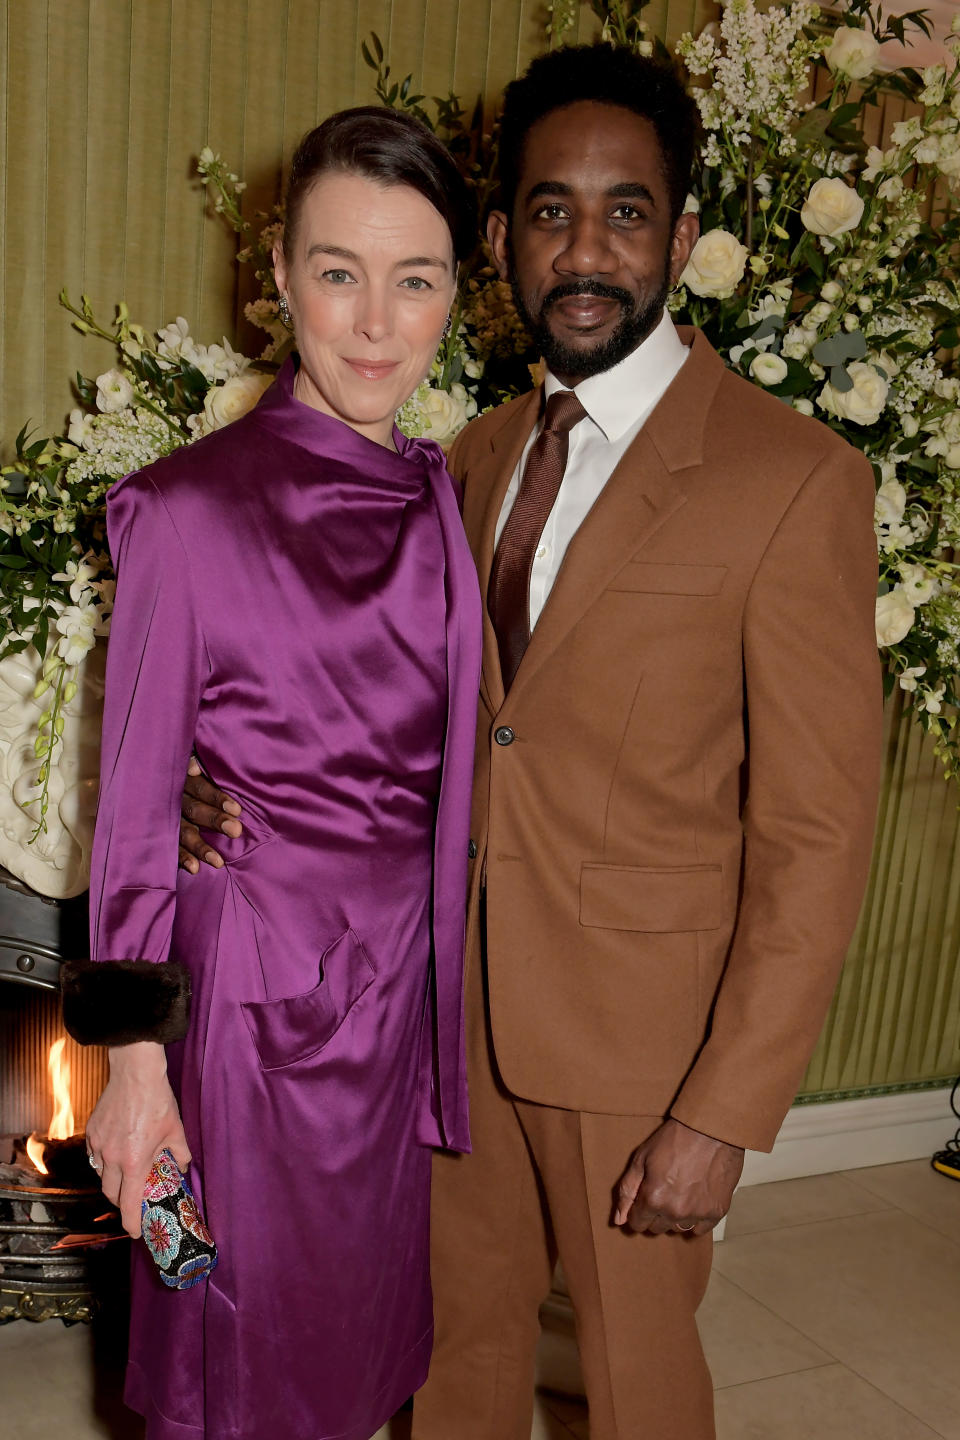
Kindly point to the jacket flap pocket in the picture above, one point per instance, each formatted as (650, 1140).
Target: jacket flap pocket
(670, 579)
(297, 1026)
(634, 897)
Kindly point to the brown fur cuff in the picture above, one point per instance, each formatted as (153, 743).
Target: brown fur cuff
(118, 1002)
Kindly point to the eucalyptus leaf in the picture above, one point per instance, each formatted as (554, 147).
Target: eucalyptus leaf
(840, 380)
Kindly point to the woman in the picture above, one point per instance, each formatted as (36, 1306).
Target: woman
(325, 667)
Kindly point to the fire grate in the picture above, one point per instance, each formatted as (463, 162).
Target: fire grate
(58, 1259)
(39, 1280)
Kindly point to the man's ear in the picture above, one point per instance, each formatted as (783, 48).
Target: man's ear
(686, 232)
(498, 239)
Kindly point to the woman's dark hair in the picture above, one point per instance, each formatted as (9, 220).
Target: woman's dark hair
(393, 149)
(610, 75)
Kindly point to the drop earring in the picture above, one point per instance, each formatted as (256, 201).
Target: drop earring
(285, 317)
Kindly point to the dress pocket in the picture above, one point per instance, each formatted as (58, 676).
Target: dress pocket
(294, 1028)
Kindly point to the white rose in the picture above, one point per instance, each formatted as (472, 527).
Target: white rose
(716, 266)
(768, 369)
(832, 207)
(804, 405)
(227, 402)
(894, 617)
(445, 412)
(852, 52)
(861, 405)
(890, 503)
(114, 391)
(918, 584)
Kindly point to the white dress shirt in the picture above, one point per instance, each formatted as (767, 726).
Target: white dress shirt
(618, 402)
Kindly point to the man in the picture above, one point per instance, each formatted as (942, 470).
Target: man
(677, 759)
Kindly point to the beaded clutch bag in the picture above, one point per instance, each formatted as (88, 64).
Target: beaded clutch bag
(174, 1229)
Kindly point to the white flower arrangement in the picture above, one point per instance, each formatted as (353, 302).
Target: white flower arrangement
(821, 274)
(847, 304)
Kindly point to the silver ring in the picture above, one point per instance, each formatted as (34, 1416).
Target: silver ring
(685, 1229)
(95, 1164)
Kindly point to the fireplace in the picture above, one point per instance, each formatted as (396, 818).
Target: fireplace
(61, 1246)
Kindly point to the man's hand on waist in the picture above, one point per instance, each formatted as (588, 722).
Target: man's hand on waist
(204, 805)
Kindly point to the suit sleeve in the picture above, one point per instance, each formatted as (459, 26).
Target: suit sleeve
(156, 666)
(814, 715)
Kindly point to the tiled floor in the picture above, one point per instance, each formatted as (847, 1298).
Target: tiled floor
(833, 1314)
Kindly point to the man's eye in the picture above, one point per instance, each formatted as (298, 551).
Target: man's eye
(338, 277)
(416, 282)
(550, 212)
(627, 212)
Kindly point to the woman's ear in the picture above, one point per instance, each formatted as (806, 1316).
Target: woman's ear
(280, 268)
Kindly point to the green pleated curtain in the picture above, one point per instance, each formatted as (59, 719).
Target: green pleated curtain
(104, 105)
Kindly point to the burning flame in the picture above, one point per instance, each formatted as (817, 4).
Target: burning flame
(62, 1124)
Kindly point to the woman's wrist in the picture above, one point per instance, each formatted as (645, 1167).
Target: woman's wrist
(144, 1058)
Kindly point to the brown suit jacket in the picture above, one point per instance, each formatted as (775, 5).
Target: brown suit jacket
(675, 840)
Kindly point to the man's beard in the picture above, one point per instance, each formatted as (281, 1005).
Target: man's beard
(637, 319)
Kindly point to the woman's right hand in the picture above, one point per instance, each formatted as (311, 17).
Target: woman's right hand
(135, 1118)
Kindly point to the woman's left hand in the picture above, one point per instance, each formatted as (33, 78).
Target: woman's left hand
(135, 1118)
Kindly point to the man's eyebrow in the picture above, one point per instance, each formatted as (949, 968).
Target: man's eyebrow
(320, 248)
(625, 190)
(632, 190)
(548, 187)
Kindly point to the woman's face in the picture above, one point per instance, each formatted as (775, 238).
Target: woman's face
(369, 287)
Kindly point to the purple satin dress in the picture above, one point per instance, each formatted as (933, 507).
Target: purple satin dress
(300, 604)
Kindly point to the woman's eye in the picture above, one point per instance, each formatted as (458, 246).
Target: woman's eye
(338, 277)
(416, 282)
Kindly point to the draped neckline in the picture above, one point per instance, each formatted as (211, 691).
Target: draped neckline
(280, 411)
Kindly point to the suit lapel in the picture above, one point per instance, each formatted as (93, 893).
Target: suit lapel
(642, 493)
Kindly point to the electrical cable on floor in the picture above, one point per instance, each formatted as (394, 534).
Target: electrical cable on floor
(947, 1161)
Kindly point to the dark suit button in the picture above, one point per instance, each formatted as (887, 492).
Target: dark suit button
(504, 735)
(472, 850)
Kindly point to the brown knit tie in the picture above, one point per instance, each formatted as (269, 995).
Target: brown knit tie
(508, 598)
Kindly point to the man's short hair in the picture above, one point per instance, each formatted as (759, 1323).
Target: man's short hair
(610, 75)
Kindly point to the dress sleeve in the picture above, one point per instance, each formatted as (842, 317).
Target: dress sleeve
(156, 668)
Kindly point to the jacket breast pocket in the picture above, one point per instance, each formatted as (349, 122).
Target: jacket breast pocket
(655, 579)
(665, 898)
(296, 1027)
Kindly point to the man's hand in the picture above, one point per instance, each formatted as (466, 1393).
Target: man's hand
(678, 1180)
(203, 804)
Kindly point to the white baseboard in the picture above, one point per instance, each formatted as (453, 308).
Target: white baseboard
(850, 1134)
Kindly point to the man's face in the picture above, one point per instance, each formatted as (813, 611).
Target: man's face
(589, 249)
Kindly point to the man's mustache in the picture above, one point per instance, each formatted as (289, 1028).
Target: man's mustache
(596, 289)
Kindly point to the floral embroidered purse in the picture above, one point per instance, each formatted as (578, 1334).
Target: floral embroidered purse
(173, 1227)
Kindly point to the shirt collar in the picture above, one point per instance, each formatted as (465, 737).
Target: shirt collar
(614, 398)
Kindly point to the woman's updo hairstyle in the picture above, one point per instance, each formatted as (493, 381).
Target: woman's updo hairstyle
(390, 148)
